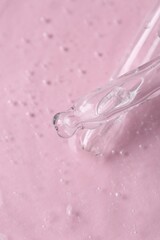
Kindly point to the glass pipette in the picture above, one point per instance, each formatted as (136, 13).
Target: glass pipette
(100, 111)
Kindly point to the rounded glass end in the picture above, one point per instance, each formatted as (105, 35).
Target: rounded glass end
(65, 124)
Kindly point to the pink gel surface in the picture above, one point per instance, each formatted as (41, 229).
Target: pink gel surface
(52, 52)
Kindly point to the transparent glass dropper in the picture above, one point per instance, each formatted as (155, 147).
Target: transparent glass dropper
(147, 44)
(97, 113)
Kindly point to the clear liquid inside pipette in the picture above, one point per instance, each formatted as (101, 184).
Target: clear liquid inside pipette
(108, 103)
(99, 112)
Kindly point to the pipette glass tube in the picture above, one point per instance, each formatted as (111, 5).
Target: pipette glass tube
(105, 109)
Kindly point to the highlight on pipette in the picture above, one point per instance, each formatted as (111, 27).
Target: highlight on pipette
(109, 102)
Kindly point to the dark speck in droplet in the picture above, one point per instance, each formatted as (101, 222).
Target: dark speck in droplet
(64, 48)
(32, 115)
(31, 73)
(27, 40)
(48, 82)
(66, 182)
(43, 19)
(119, 21)
(84, 71)
(100, 54)
(15, 103)
(48, 35)
(24, 103)
(47, 20)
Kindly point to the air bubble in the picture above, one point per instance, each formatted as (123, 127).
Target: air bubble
(82, 71)
(47, 82)
(64, 48)
(30, 114)
(69, 210)
(46, 20)
(121, 152)
(90, 237)
(113, 151)
(12, 102)
(118, 21)
(48, 35)
(117, 194)
(99, 54)
(26, 40)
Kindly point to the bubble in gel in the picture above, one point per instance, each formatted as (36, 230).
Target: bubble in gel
(46, 20)
(69, 210)
(47, 35)
(64, 48)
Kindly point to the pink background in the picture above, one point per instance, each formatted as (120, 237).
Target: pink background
(52, 52)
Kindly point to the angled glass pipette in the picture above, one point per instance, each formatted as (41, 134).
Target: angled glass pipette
(97, 113)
